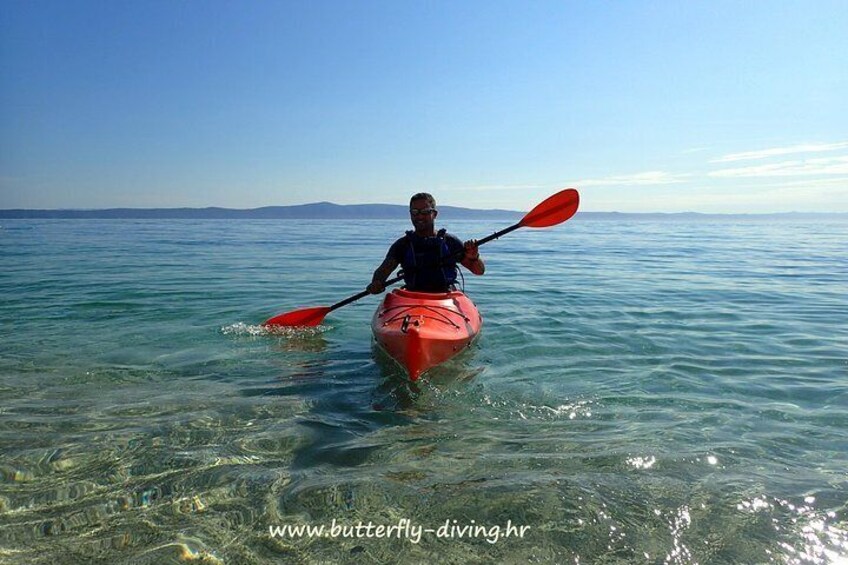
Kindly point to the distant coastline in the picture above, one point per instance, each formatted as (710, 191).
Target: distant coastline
(330, 211)
(315, 211)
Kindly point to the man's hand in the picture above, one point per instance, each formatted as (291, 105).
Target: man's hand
(472, 251)
(471, 259)
(376, 287)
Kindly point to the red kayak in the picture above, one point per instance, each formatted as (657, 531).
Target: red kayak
(420, 330)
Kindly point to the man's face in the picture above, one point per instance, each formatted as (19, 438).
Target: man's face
(423, 215)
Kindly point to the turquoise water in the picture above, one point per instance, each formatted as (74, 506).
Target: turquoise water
(642, 392)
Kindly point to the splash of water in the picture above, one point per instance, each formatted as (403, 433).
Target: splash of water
(243, 329)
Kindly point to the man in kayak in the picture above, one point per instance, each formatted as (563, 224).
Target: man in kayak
(428, 257)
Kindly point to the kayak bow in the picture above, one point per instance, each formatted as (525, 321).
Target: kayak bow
(421, 330)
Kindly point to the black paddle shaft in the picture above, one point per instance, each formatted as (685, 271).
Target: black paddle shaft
(356, 297)
(496, 235)
(554, 210)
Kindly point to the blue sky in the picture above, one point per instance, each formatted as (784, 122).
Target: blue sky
(644, 106)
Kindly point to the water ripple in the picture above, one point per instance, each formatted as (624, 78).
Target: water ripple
(641, 392)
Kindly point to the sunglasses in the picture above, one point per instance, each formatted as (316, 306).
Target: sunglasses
(416, 211)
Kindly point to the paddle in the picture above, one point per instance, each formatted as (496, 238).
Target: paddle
(552, 211)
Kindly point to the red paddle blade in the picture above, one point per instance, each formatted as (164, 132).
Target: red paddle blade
(302, 317)
(553, 210)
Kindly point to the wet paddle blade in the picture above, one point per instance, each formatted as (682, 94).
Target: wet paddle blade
(554, 210)
(302, 317)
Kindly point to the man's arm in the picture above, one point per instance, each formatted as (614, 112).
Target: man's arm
(471, 259)
(378, 281)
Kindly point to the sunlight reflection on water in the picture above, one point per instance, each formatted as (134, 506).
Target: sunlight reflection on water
(655, 393)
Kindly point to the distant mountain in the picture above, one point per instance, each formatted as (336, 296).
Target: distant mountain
(316, 211)
(330, 211)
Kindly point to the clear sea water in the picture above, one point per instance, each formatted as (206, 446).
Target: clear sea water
(642, 392)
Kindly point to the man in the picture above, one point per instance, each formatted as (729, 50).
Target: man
(428, 257)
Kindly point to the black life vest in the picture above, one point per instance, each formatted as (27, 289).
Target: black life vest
(428, 265)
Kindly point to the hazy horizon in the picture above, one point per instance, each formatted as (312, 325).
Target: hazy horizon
(396, 209)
